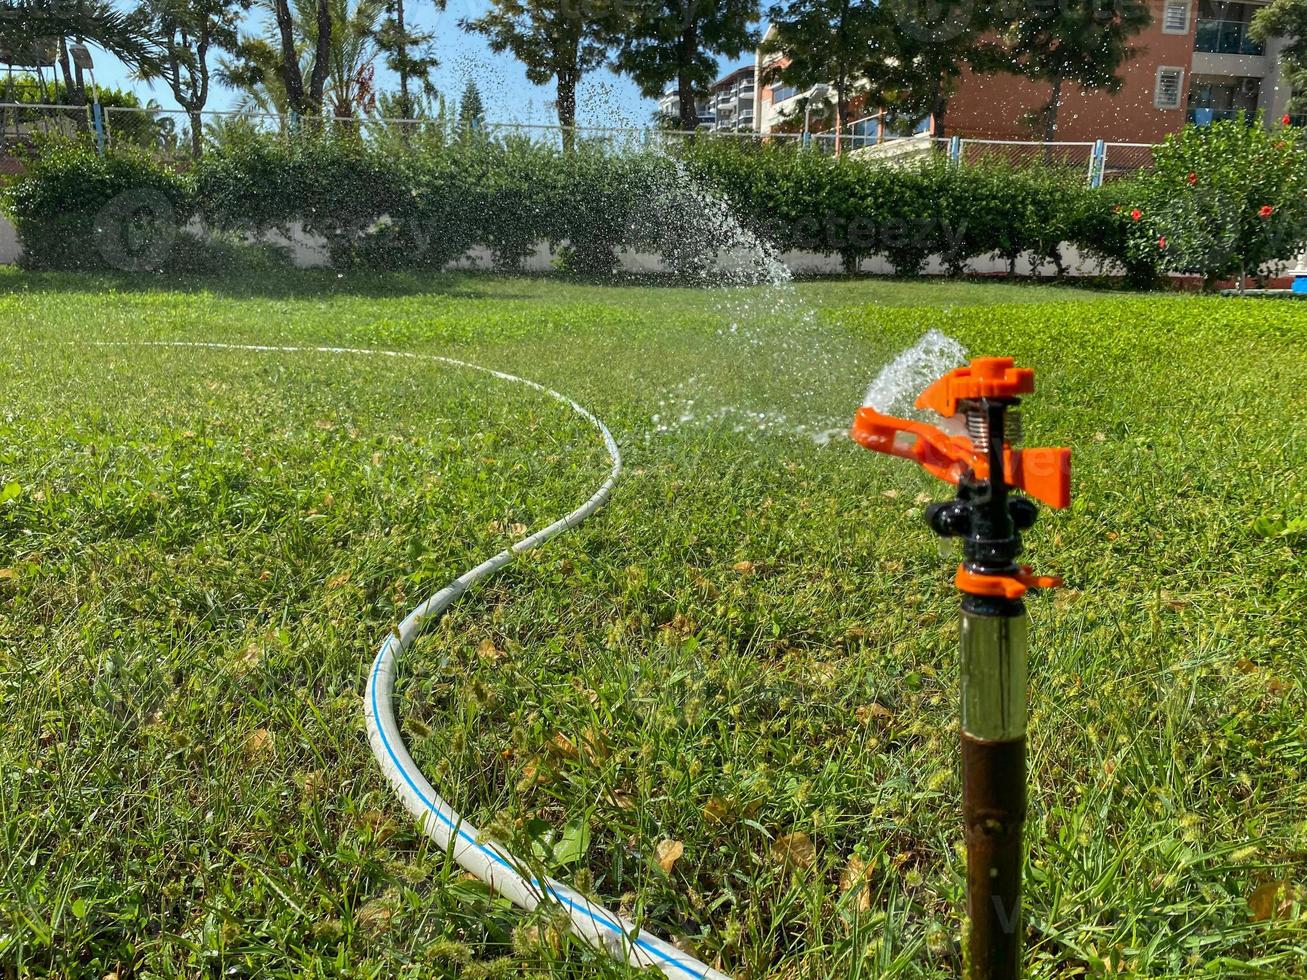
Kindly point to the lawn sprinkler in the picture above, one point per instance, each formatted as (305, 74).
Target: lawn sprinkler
(974, 449)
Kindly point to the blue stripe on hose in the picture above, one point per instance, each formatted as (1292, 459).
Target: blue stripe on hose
(467, 838)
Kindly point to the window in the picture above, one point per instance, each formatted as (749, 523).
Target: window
(1170, 83)
(1175, 17)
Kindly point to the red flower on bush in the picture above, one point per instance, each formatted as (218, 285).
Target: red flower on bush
(1136, 214)
(1161, 243)
(1286, 120)
(1266, 211)
(1193, 179)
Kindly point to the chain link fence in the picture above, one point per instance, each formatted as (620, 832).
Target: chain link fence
(171, 134)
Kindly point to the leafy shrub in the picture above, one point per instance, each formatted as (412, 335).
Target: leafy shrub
(74, 209)
(857, 208)
(1223, 202)
(392, 206)
(1100, 225)
(226, 255)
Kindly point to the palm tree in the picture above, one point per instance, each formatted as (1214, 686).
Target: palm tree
(354, 52)
(32, 30)
(255, 69)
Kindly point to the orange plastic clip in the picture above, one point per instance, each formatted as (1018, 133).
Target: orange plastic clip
(1045, 474)
(1004, 586)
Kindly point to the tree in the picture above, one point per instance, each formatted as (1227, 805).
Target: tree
(659, 42)
(825, 42)
(302, 99)
(1223, 201)
(1079, 42)
(190, 30)
(556, 40)
(351, 74)
(33, 30)
(408, 54)
(471, 109)
(338, 65)
(1288, 19)
(934, 41)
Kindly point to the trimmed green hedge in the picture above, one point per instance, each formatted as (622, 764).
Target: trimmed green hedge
(379, 209)
(76, 210)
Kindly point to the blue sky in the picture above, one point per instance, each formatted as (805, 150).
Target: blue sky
(605, 99)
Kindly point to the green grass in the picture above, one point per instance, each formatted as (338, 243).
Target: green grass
(207, 546)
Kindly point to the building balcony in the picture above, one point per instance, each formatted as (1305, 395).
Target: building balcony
(1226, 37)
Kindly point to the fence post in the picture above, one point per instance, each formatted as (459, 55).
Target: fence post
(97, 118)
(955, 149)
(1098, 163)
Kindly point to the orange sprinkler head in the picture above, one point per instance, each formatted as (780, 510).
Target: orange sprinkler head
(985, 377)
(982, 391)
(1043, 473)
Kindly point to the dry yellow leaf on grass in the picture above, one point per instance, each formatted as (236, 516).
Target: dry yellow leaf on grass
(874, 712)
(258, 745)
(1271, 900)
(717, 810)
(794, 851)
(743, 567)
(375, 916)
(856, 877)
(668, 853)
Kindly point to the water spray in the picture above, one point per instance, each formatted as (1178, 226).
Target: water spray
(974, 449)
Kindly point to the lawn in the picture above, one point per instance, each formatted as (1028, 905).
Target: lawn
(756, 639)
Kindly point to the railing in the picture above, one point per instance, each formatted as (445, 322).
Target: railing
(1226, 37)
(165, 132)
(1099, 161)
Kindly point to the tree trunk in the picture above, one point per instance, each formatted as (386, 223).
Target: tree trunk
(567, 109)
(401, 51)
(689, 105)
(321, 55)
(841, 114)
(939, 105)
(686, 49)
(1051, 111)
(290, 66)
(199, 91)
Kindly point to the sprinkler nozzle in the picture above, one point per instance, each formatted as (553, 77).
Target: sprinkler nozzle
(985, 466)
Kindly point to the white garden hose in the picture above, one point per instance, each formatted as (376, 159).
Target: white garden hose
(619, 937)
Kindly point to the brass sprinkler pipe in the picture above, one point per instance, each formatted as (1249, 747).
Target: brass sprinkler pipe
(986, 467)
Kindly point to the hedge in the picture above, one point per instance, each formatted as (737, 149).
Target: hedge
(382, 209)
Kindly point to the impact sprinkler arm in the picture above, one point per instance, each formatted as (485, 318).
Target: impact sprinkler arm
(985, 467)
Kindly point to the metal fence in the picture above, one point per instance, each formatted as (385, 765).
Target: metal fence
(170, 134)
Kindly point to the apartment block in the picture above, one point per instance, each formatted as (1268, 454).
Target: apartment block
(728, 107)
(1196, 63)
